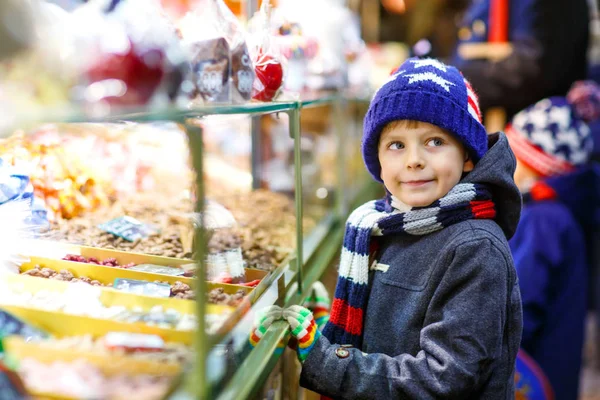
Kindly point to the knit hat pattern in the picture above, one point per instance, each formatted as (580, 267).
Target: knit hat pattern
(551, 137)
(424, 90)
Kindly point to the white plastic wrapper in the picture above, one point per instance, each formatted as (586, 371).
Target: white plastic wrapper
(266, 57)
(131, 55)
(222, 70)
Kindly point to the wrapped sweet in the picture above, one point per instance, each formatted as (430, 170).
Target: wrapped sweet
(266, 58)
(134, 54)
(221, 68)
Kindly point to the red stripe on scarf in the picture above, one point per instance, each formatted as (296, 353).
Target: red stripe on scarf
(348, 318)
(483, 209)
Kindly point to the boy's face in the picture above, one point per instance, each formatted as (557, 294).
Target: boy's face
(420, 162)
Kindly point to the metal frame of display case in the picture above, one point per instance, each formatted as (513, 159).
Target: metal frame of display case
(313, 254)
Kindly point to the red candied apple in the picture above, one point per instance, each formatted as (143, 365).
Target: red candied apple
(141, 72)
(269, 77)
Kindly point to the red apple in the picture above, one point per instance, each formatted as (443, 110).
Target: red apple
(269, 77)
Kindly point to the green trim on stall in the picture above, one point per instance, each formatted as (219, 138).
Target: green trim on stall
(256, 368)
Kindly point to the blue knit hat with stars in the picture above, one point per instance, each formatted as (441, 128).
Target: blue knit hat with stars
(425, 90)
(551, 136)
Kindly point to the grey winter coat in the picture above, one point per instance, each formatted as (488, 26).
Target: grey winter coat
(443, 319)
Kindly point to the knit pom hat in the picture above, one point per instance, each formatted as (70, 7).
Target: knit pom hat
(552, 136)
(424, 90)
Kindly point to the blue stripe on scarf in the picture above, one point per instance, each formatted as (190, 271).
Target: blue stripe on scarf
(352, 293)
(335, 334)
(357, 239)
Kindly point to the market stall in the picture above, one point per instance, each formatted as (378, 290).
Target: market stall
(174, 186)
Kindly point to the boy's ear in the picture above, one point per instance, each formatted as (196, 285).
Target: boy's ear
(468, 165)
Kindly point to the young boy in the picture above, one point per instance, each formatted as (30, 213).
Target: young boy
(435, 312)
(552, 144)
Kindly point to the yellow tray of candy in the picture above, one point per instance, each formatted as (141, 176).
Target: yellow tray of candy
(61, 324)
(107, 275)
(57, 250)
(109, 364)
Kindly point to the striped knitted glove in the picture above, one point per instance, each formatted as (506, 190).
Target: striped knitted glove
(319, 304)
(304, 329)
(264, 319)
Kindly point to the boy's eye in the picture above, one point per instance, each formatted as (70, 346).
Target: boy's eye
(435, 142)
(395, 146)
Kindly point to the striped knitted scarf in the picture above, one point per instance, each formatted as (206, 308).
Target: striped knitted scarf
(377, 218)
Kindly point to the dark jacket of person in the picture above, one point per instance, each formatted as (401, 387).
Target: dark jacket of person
(550, 39)
(445, 320)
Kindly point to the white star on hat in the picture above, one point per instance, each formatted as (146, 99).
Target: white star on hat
(561, 116)
(543, 138)
(431, 77)
(429, 62)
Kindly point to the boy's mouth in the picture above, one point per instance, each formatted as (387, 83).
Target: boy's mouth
(417, 183)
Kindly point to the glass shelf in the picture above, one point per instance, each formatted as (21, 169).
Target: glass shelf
(75, 114)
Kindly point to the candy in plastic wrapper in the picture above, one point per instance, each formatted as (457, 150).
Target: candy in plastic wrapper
(159, 269)
(211, 69)
(242, 71)
(143, 287)
(128, 228)
(133, 341)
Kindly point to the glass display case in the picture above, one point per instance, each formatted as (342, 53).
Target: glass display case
(169, 229)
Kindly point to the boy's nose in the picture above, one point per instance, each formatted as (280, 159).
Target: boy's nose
(414, 159)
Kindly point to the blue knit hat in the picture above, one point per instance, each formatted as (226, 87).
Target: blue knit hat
(551, 136)
(425, 90)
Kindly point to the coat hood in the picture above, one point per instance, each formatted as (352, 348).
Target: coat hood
(495, 170)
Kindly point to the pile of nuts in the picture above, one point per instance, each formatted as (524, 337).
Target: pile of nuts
(81, 379)
(266, 229)
(62, 275)
(179, 289)
(218, 296)
(172, 352)
(109, 262)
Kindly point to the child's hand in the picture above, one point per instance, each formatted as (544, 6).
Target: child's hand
(304, 329)
(319, 304)
(264, 319)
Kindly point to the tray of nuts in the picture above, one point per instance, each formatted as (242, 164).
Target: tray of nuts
(102, 275)
(50, 304)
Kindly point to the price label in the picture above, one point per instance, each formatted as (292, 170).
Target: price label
(143, 287)
(158, 269)
(128, 228)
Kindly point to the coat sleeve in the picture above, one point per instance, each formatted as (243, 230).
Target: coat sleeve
(538, 249)
(462, 332)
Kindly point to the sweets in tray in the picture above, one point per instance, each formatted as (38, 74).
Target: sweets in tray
(265, 231)
(135, 366)
(80, 379)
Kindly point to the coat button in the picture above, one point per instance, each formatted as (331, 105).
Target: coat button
(341, 352)
(464, 34)
(479, 28)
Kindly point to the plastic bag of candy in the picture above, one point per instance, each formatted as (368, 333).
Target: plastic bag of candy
(221, 69)
(132, 54)
(266, 57)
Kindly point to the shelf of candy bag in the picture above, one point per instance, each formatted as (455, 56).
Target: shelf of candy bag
(43, 348)
(93, 326)
(134, 272)
(165, 64)
(98, 211)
